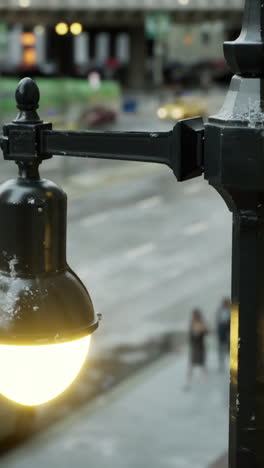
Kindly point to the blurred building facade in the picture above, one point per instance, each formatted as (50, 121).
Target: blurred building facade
(130, 5)
(114, 37)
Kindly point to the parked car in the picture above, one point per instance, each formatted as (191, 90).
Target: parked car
(201, 73)
(97, 115)
(175, 72)
(182, 108)
(220, 71)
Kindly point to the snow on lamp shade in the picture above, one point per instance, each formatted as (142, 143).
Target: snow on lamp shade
(33, 375)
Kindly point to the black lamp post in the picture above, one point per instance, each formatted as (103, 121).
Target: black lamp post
(228, 150)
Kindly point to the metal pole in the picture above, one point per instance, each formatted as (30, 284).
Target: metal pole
(234, 165)
(247, 338)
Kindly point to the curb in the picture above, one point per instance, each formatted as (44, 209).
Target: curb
(222, 462)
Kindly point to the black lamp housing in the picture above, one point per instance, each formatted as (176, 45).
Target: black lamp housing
(42, 300)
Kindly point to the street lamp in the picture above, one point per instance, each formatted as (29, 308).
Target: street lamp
(46, 313)
(228, 149)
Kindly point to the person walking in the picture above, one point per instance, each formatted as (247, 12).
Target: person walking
(197, 345)
(223, 331)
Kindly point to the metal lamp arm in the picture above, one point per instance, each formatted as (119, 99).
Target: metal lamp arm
(130, 146)
(180, 149)
(28, 139)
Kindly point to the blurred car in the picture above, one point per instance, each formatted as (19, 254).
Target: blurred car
(47, 69)
(110, 69)
(83, 70)
(97, 115)
(182, 108)
(201, 72)
(220, 71)
(175, 72)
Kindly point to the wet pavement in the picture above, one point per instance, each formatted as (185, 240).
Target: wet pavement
(222, 462)
(149, 250)
(150, 420)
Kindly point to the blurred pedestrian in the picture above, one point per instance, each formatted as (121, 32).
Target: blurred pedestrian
(197, 334)
(223, 331)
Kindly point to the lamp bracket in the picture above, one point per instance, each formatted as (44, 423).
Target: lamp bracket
(27, 138)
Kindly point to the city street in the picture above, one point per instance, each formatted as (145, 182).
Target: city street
(149, 250)
(148, 421)
(164, 384)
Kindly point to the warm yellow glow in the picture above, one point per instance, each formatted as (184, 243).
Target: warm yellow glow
(28, 39)
(24, 3)
(61, 29)
(29, 56)
(162, 113)
(235, 343)
(177, 113)
(76, 28)
(188, 39)
(33, 375)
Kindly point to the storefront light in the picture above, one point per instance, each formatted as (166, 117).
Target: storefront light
(39, 29)
(24, 3)
(62, 29)
(76, 28)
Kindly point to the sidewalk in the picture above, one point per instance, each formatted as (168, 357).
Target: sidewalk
(221, 463)
(149, 421)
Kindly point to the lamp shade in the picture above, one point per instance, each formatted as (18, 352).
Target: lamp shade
(42, 301)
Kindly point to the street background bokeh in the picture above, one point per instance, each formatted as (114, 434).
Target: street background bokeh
(148, 249)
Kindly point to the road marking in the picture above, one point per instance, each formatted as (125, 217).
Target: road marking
(139, 251)
(149, 203)
(95, 219)
(195, 228)
(101, 217)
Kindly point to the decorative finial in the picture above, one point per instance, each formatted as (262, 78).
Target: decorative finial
(245, 56)
(27, 95)
(27, 98)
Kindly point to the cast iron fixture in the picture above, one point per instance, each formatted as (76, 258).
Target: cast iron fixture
(46, 313)
(228, 149)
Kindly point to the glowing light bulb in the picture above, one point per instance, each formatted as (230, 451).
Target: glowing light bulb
(76, 28)
(61, 29)
(24, 3)
(33, 375)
